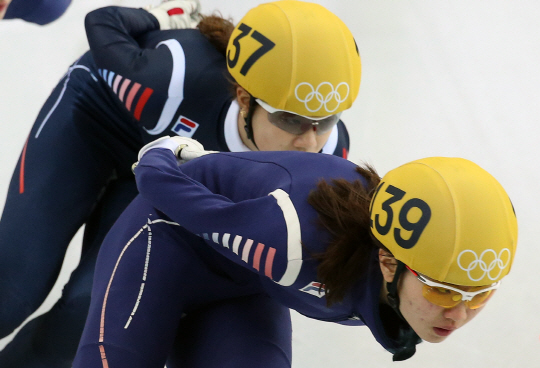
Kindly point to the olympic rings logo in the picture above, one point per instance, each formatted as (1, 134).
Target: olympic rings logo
(323, 101)
(497, 262)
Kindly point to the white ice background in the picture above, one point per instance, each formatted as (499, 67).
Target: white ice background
(440, 78)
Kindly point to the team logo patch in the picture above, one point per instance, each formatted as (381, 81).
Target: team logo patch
(185, 127)
(314, 288)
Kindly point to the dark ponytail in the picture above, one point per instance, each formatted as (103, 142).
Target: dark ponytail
(343, 209)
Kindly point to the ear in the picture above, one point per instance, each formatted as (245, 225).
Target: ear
(243, 97)
(388, 265)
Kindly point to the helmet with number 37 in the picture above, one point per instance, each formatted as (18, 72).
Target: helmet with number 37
(295, 56)
(448, 219)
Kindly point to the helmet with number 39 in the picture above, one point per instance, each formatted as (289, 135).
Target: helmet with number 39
(448, 219)
(295, 56)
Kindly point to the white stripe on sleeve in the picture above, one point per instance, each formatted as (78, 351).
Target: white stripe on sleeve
(294, 237)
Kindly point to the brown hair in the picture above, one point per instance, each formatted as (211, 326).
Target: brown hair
(217, 30)
(343, 209)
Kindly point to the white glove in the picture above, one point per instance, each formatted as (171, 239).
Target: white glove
(163, 142)
(177, 14)
(188, 149)
(185, 149)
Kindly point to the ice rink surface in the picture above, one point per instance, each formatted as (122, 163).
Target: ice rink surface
(440, 78)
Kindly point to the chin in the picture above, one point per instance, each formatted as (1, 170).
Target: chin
(433, 340)
(435, 336)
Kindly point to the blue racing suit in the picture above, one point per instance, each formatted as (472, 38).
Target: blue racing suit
(136, 84)
(229, 239)
(37, 11)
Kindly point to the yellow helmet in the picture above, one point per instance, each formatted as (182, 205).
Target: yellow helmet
(295, 56)
(448, 219)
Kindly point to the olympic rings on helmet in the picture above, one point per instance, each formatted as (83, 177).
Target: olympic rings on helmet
(479, 262)
(333, 94)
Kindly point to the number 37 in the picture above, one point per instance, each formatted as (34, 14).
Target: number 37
(416, 228)
(266, 45)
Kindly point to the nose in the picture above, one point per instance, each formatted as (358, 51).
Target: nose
(307, 141)
(457, 313)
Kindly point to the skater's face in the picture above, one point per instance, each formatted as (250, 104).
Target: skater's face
(431, 322)
(270, 137)
(3, 7)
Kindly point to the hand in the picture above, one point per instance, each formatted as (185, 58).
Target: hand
(188, 149)
(185, 149)
(177, 14)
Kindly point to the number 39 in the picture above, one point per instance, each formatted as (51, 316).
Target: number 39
(266, 45)
(416, 228)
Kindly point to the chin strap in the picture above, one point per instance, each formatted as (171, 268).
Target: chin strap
(248, 119)
(392, 288)
(407, 339)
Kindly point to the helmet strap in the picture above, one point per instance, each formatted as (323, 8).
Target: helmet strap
(391, 287)
(407, 337)
(249, 120)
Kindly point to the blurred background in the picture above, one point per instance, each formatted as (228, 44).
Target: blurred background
(440, 78)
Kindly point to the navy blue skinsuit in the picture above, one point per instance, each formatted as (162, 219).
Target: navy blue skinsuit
(37, 11)
(229, 238)
(135, 85)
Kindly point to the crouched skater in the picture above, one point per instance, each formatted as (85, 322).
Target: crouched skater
(214, 252)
